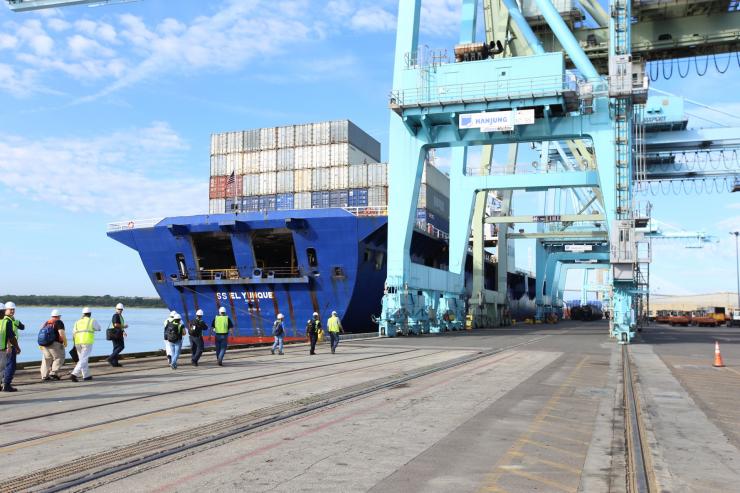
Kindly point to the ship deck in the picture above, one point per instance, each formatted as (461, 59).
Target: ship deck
(520, 409)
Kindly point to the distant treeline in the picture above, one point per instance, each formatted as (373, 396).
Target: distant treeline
(107, 300)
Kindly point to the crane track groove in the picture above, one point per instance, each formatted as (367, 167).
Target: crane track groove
(77, 473)
(202, 401)
(640, 475)
(187, 389)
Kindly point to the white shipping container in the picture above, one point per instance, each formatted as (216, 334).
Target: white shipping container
(377, 196)
(268, 161)
(339, 131)
(214, 144)
(218, 165)
(286, 137)
(322, 133)
(286, 159)
(268, 183)
(302, 182)
(338, 155)
(339, 177)
(251, 162)
(302, 200)
(218, 144)
(231, 141)
(217, 206)
(320, 178)
(285, 181)
(304, 135)
(377, 175)
(303, 156)
(252, 140)
(268, 138)
(321, 156)
(358, 176)
(233, 163)
(251, 185)
(356, 156)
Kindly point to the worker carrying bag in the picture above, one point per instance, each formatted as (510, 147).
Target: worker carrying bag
(173, 332)
(47, 335)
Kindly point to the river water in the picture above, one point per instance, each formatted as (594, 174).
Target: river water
(144, 329)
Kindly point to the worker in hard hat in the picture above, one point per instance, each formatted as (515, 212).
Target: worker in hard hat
(222, 328)
(335, 328)
(117, 333)
(173, 333)
(313, 329)
(167, 349)
(10, 364)
(9, 346)
(195, 331)
(53, 353)
(278, 330)
(84, 337)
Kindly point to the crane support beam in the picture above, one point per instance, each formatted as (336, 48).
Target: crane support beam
(565, 218)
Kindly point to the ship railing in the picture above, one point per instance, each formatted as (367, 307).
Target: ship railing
(134, 224)
(432, 230)
(257, 273)
(367, 210)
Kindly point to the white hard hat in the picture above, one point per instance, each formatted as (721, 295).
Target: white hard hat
(10, 305)
(86, 310)
(55, 313)
(222, 310)
(176, 316)
(333, 313)
(119, 306)
(315, 314)
(199, 313)
(173, 313)
(280, 316)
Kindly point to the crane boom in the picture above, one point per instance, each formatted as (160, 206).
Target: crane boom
(27, 5)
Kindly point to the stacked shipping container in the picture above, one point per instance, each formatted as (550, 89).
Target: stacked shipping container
(314, 165)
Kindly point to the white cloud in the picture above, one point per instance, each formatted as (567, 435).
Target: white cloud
(132, 173)
(373, 19)
(7, 41)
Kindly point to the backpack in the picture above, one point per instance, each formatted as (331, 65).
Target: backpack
(172, 332)
(47, 335)
(277, 328)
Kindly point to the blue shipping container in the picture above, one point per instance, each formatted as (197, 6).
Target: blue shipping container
(338, 198)
(357, 197)
(319, 200)
(250, 204)
(284, 201)
(267, 202)
(232, 205)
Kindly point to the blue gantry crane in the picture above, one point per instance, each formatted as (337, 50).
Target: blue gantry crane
(516, 88)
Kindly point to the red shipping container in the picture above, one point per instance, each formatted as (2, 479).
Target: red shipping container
(222, 187)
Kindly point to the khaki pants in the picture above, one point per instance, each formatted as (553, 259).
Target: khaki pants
(53, 359)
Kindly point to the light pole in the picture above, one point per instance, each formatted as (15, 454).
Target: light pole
(737, 266)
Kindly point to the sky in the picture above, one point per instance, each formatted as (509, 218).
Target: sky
(106, 115)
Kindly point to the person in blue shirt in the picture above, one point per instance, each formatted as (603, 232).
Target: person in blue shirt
(278, 330)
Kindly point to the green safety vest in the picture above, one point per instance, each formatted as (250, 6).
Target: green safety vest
(4, 332)
(333, 324)
(222, 324)
(16, 323)
(84, 332)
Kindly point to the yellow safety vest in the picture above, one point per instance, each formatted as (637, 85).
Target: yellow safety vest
(84, 333)
(222, 324)
(333, 324)
(4, 332)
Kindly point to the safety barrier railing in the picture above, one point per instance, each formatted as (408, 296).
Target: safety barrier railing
(133, 224)
(367, 210)
(501, 89)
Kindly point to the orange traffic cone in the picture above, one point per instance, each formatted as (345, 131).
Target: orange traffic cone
(718, 363)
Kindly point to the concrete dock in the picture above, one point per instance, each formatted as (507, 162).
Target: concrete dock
(528, 408)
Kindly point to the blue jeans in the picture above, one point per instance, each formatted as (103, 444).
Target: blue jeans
(221, 343)
(118, 346)
(334, 340)
(196, 348)
(9, 368)
(175, 348)
(278, 342)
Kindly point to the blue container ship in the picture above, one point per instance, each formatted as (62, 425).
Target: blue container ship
(296, 262)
